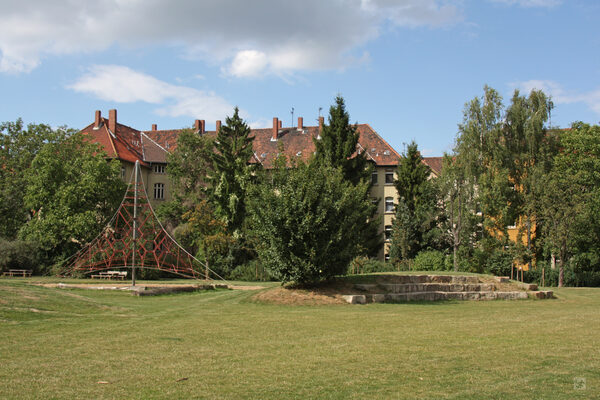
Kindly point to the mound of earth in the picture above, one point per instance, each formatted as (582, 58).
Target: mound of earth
(369, 289)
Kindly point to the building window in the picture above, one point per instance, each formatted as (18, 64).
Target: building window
(374, 178)
(389, 177)
(386, 257)
(159, 191)
(159, 168)
(123, 172)
(389, 204)
(388, 233)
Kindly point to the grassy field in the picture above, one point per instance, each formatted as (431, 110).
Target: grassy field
(77, 343)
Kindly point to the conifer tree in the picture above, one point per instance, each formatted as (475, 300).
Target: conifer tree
(337, 145)
(416, 213)
(232, 172)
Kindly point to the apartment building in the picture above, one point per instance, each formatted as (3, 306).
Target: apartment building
(152, 147)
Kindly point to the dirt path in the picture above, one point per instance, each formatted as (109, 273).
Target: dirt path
(124, 285)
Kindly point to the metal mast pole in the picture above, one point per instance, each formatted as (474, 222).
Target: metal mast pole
(135, 200)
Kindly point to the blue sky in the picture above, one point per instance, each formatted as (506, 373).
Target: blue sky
(406, 67)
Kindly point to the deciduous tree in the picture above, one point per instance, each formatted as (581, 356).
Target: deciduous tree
(308, 222)
(18, 147)
(71, 192)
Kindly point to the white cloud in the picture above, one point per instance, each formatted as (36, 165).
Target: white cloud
(124, 85)
(560, 95)
(247, 63)
(260, 123)
(530, 3)
(247, 38)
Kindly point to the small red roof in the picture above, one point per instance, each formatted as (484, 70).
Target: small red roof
(126, 143)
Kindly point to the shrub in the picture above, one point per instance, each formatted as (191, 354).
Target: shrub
(19, 254)
(500, 263)
(365, 265)
(429, 260)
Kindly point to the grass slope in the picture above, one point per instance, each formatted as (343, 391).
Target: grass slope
(59, 343)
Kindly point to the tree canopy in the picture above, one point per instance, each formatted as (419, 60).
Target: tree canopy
(71, 192)
(18, 147)
(308, 222)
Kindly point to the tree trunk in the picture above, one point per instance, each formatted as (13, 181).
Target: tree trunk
(529, 242)
(561, 271)
(455, 258)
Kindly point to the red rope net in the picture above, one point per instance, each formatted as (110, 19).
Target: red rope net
(154, 247)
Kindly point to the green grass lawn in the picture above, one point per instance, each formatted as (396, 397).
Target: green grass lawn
(60, 343)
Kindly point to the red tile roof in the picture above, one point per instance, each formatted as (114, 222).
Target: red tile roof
(435, 163)
(126, 143)
(296, 144)
(129, 144)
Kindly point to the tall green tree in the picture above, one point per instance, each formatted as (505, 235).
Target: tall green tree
(531, 150)
(337, 145)
(479, 147)
(71, 192)
(189, 168)
(457, 194)
(569, 210)
(232, 173)
(415, 226)
(308, 221)
(18, 147)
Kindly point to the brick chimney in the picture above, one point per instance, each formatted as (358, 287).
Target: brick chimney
(218, 126)
(112, 120)
(154, 127)
(300, 123)
(321, 122)
(199, 126)
(98, 119)
(276, 126)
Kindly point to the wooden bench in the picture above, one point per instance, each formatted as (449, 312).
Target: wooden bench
(111, 275)
(18, 272)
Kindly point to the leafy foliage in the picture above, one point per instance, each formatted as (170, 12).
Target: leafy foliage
(71, 191)
(189, 167)
(416, 224)
(366, 265)
(570, 199)
(208, 235)
(307, 222)
(18, 147)
(430, 260)
(18, 254)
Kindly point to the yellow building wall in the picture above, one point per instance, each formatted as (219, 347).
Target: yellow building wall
(150, 178)
(513, 236)
(380, 191)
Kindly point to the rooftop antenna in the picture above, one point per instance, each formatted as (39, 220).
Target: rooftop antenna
(292, 124)
(320, 109)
